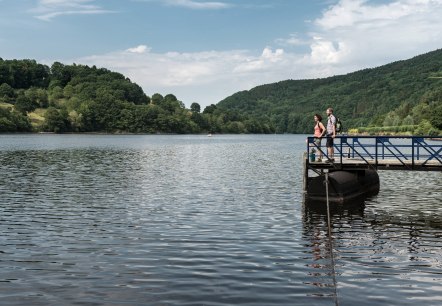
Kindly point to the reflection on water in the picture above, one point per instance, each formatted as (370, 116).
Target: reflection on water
(192, 220)
(389, 250)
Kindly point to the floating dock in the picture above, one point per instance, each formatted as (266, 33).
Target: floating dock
(353, 173)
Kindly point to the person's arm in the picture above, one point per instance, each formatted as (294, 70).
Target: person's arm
(323, 129)
(334, 127)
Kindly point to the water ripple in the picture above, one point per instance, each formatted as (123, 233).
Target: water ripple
(191, 220)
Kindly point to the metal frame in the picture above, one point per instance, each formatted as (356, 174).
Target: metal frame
(382, 152)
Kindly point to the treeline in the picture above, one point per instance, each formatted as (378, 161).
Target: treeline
(423, 119)
(401, 97)
(401, 93)
(78, 98)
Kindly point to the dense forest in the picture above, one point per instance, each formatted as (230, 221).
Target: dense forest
(402, 97)
(78, 98)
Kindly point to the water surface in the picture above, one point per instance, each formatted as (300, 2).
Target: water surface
(196, 220)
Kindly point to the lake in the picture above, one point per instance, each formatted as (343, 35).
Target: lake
(197, 220)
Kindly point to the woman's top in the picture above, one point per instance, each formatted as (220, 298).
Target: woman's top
(318, 132)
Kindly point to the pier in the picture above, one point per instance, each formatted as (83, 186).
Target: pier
(358, 158)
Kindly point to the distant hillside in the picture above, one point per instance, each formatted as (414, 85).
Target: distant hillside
(361, 98)
(77, 98)
(402, 97)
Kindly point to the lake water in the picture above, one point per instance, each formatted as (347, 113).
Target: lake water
(197, 220)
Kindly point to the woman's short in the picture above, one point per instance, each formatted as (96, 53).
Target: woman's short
(318, 141)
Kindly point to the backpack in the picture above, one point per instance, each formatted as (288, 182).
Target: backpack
(338, 126)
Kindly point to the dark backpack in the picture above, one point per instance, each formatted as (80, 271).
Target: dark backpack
(338, 126)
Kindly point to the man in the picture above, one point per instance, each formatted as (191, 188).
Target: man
(331, 134)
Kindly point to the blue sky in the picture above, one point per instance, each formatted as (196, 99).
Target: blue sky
(205, 50)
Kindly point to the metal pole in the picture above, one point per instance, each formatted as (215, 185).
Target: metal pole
(330, 241)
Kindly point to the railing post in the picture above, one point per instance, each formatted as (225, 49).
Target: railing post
(418, 157)
(340, 157)
(376, 153)
(383, 150)
(353, 148)
(412, 153)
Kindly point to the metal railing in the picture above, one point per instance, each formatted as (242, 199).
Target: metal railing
(407, 151)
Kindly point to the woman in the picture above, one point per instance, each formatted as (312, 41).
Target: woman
(319, 132)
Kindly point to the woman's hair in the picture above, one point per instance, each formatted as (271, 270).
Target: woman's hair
(319, 117)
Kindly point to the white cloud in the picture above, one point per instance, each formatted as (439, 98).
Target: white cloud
(350, 35)
(356, 33)
(293, 40)
(350, 13)
(265, 62)
(198, 4)
(139, 49)
(325, 52)
(49, 9)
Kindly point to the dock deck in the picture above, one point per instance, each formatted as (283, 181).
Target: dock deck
(384, 164)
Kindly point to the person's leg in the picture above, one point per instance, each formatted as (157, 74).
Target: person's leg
(318, 144)
(327, 145)
(330, 149)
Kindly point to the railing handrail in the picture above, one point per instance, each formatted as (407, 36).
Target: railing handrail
(415, 149)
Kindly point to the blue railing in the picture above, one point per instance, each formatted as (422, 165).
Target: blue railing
(409, 151)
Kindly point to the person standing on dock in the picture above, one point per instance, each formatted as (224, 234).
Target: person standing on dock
(331, 134)
(319, 131)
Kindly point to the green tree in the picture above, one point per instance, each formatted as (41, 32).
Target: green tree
(146, 118)
(408, 120)
(6, 92)
(38, 96)
(200, 120)
(23, 104)
(435, 117)
(424, 128)
(157, 99)
(75, 121)
(210, 109)
(13, 121)
(56, 120)
(195, 107)
(55, 94)
(60, 74)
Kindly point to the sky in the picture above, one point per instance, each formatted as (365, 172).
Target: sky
(206, 50)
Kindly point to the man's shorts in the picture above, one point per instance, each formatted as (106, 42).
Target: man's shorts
(330, 142)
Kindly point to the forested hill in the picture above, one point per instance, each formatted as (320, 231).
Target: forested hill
(393, 94)
(404, 97)
(78, 98)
